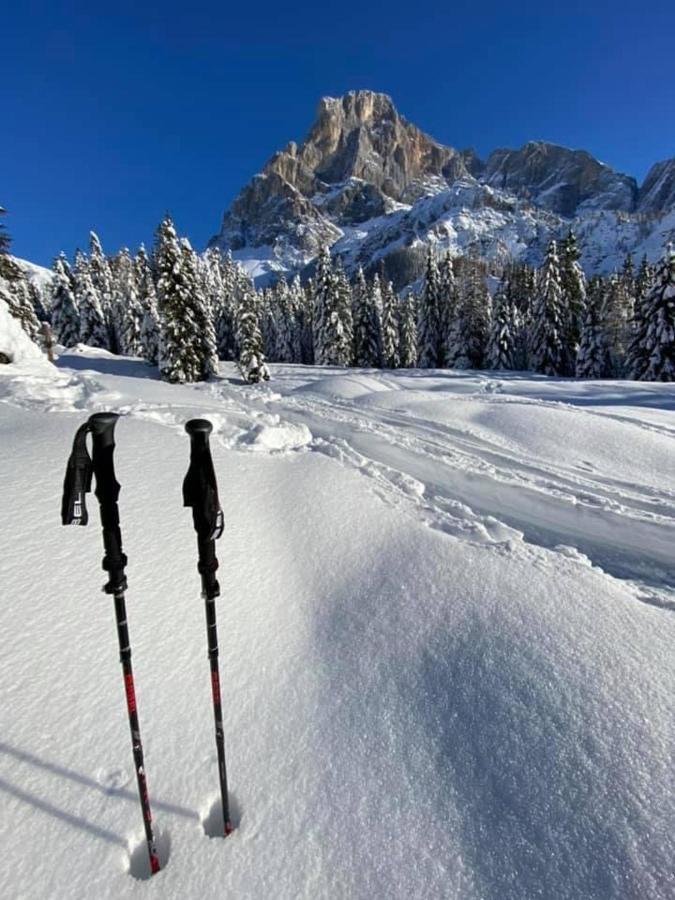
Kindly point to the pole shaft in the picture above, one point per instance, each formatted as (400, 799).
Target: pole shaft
(135, 728)
(212, 639)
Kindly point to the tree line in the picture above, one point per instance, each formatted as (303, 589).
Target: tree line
(183, 311)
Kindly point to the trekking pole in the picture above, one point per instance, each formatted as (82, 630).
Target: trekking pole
(74, 512)
(200, 491)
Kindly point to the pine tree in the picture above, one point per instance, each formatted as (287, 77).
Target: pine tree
(344, 310)
(366, 324)
(15, 290)
(617, 313)
(447, 306)
(469, 328)
(573, 299)
(408, 332)
(179, 337)
(224, 312)
(501, 345)
(93, 330)
(101, 276)
(126, 307)
(303, 341)
(429, 337)
(593, 357)
(660, 319)
(65, 317)
(637, 354)
(285, 325)
(249, 337)
(390, 327)
(147, 296)
(331, 333)
(546, 344)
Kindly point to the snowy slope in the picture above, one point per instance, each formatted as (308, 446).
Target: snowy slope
(447, 621)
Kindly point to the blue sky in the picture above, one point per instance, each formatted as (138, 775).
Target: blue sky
(115, 113)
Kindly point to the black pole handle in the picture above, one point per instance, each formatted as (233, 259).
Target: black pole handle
(200, 491)
(102, 427)
(199, 430)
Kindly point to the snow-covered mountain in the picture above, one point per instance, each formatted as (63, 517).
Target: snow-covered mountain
(376, 188)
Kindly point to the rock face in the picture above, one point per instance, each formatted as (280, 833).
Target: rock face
(657, 194)
(377, 189)
(560, 180)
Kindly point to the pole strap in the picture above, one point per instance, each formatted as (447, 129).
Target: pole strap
(77, 481)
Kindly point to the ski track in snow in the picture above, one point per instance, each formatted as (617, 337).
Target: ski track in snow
(480, 491)
(486, 492)
(463, 729)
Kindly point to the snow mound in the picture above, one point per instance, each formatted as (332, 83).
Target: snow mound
(346, 387)
(276, 437)
(14, 342)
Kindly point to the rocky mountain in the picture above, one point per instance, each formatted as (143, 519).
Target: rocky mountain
(378, 190)
(657, 194)
(563, 181)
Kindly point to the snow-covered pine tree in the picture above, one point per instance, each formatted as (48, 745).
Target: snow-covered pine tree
(660, 320)
(15, 290)
(65, 317)
(429, 337)
(390, 328)
(502, 338)
(147, 296)
(268, 323)
(101, 277)
(593, 358)
(285, 325)
(176, 278)
(616, 315)
(628, 278)
(573, 300)
(344, 309)
(225, 310)
(366, 324)
(93, 330)
(205, 348)
(469, 328)
(447, 306)
(212, 284)
(407, 318)
(637, 355)
(546, 351)
(308, 323)
(644, 279)
(331, 347)
(40, 301)
(127, 308)
(249, 337)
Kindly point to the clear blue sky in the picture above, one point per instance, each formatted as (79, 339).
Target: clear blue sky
(114, 113)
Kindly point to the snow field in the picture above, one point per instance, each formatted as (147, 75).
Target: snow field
(446, 632)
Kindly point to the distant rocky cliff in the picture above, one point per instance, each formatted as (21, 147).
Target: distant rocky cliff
(377, 189)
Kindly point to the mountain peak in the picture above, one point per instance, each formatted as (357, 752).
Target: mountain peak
(375, 187)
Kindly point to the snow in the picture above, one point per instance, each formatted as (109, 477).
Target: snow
(446, 631)
(41, 276)
(14, 342)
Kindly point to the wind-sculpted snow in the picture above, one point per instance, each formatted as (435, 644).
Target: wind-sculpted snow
(446, 630)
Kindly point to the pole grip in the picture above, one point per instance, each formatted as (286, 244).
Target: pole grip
(200, 491)
(102, 428)
(199, 430)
